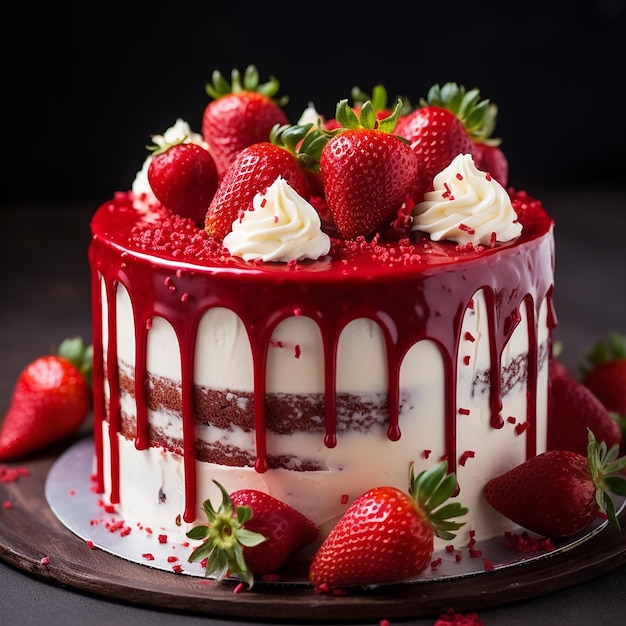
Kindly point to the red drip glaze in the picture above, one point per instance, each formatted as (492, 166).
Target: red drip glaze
(413, 291)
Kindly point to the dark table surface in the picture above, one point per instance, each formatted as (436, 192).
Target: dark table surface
(44, 297)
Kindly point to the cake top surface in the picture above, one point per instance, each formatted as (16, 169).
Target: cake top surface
(375, 189)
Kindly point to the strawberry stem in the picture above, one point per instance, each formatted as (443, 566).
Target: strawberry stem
(607, 473)
(73, 349)
(223, 540)
(431, 488)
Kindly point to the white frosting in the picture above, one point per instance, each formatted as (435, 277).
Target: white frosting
(180, 130)
(281, 226)
(362, 459)
(466, 206)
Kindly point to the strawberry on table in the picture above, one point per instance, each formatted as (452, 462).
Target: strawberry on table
(183, 177)
(51, 399)
(386, 534)
(559, 493)
(574, 410)
(241, 113)
(367, 171)
(451, 121)
(251, 533)
(604, 373)
(292, 149)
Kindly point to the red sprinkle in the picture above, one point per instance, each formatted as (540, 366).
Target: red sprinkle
(344, 498)
(464, 411)
(466, 228)
(148, 556)
(162, 538)
(521, 427)
(466, 359)
(239, 588)
(510, 419)
(45, 560)
(468, 454)
(488, 565)
(297, 351)
(451, 617)
(7, 505)
(470, 337)
(90, 544)
(427, 453)
(11, 474)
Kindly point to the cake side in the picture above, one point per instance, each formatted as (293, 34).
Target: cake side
(362, 368)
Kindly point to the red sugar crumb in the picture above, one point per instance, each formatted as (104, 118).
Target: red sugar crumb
(463, 411)
(510, 419)
(466, 359)
(459, 176)
(296, 353)
(492, 240)
(11, 474)
(178, 569)
(322, 588)
(470, 337)
(436, 563)
(125, 531)
(148, 556)
(449, 548)
(45, 560)
(468, 454)
(458, 557)
(172, 559)
(451, 617)
(474, 553)
(488, 565)
(239, 588)
(162, 538)
(6, 505)
(427, 453)
(90, 544)
(344, 498)
(524, 543)
(521, 427)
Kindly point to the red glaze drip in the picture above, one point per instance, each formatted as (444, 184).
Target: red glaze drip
(413, 291)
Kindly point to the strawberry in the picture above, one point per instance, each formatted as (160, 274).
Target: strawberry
(574, 410)
(366, 170)
(450, 121)
(386, 534)
(183, 177)
(559, 492)
(255, 168)
(604, 373)
(251, 533)
(490, 158)
(51, 399)
(240, 114)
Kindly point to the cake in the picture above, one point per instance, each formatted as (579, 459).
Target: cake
(320, 374)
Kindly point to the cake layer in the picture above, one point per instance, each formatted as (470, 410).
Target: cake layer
(313, 381)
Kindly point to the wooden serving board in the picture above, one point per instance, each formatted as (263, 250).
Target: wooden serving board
(34, 540)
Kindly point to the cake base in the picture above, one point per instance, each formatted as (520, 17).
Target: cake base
(72, 499)
(30, 532)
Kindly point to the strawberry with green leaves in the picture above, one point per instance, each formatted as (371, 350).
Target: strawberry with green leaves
(291, 151)
(51, 399)
(183, 177)
(387, 535)
(559, 493)
(449, 122)
(367, 171)
(251, 533)
(241, 113)
(604, 373)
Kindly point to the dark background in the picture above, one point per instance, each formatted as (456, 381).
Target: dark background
(83, 89)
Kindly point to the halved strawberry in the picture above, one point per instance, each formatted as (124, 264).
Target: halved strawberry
(250, 533)
(387, 535)
(242, 113)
